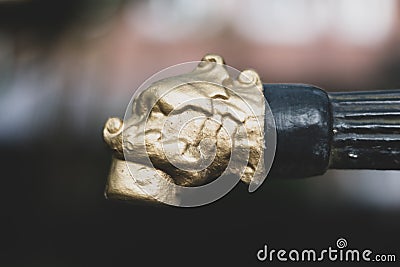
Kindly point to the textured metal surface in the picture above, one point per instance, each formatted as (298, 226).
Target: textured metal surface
(315, 131)
(169, 109)
(366, 128)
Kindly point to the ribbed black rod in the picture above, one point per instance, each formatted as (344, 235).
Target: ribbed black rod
(317, 131)
(366, 130)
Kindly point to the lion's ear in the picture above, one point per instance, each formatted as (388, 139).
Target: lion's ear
(213, 58)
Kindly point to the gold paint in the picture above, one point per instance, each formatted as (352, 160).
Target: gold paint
(202, 142)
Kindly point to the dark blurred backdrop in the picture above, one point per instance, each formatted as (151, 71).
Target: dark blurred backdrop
(67, 66)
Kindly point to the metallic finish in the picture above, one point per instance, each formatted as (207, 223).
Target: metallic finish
(139, 137)
(315, 131)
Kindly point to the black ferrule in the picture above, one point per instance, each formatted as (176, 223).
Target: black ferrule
(303, 121)
(317, 130)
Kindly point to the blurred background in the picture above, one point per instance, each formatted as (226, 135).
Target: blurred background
(65, 67)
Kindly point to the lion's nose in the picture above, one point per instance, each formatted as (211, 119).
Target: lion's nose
(112, 133)
(113, 125)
